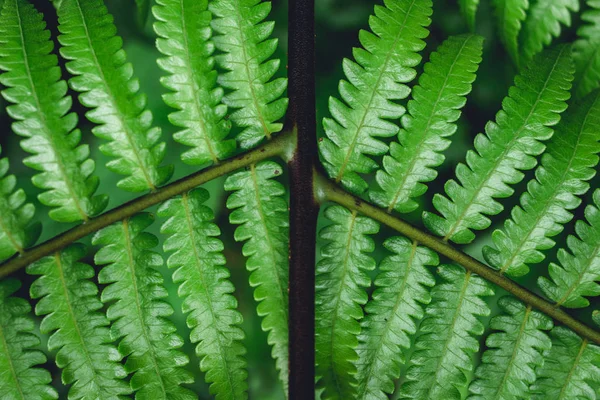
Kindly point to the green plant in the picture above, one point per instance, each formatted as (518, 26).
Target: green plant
(385, 311)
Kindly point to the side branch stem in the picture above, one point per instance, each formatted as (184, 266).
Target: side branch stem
(329, 191)
(279, 146)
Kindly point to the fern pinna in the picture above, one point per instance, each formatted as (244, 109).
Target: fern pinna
(122, 306)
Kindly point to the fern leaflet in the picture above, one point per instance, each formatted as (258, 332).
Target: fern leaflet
(106, 84)
(586, 51)
(431, 118)
(341, 276)
(41, 108)
(378, 76)
(80, 334)
(197, 255)
(261, 211)
(243, 37)
(566, 166)
(514, 352)
(138, 314)
(510, 15)
(508, 147)
(402, 289)
(469, 10)
(571, 369)
(443, 351)
(184, 37)
(19, 376)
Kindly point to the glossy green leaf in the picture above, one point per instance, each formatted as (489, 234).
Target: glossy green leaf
(184, 34)
(204, 286)
(510, 15)
(566, 166)
(107, 85)
(136, 307)
(392, 316)
(244, 39)
(341, 279)
(378, 76)
(41, 108)
(431, 119)
(508, 147)
(21, 378)
(72, 311)
(586, 51)
(260, 209)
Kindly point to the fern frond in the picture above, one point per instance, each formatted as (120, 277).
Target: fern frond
(80, 335)
(469, 10)
(431, 118)
(16, 230)
(443, 351)
(107, 85)
(508, 147)
(379, 75)
(392, 315)
(543, 23)
(19, 376)
(41, 107)
(514, 352)
(184, 34)
(138, 313)
(566, 166)
(578, 274)
(244, 38)
(510, 15)
(586, 51)
(261, 211)
(571, 369)
(197, 255)
(341, 276)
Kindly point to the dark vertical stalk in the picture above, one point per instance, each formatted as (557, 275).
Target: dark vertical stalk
(303, 207)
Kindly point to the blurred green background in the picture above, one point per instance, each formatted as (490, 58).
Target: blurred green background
(338, 22)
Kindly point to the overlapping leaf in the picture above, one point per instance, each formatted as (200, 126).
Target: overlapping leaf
(20, 376)
(586, 51)
(244, 37)
(41, 108)
(508, 147)
(510, 15)
(383, 67)
(430, 120)
(138, 313)
(80, 335)
(197, 255)
(184, 34)
(566, 166)
(107, 85)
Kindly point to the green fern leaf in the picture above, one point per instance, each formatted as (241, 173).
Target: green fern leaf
(143, 8)
(586, 51)
(469, 10)
(16, 230)
(514, 352)
(571, 369)
(184, 37)
(138, 313)
(341, 276)
(105, 80)
(566, 165)
(41, 107)
(510, 15)
(431, 118)
(508, 147)
(543, 23)
(378, 76)
(443, 351)
(243, 37)
(206, 292)
(19, 377)
(80, 335)
(579, 272)
(402, 288)
(261, 211)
